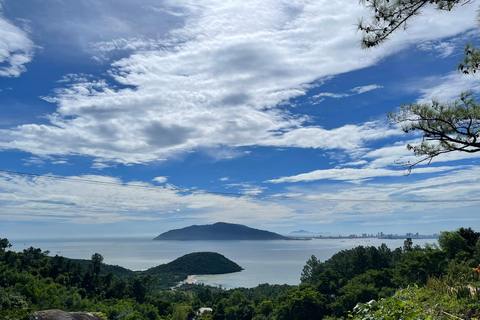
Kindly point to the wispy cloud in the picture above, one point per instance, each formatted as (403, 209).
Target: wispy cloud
(46, 200)
(219, 80)
(363, 89)
(446, 48)
(41, 199)
(350, 138)
(16, 49)
(354, 174)
(448, 87)
(352, 92)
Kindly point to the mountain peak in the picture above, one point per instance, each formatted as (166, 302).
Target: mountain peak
(219, 231)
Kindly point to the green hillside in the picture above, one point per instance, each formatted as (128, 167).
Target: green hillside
(197, 263)
(412, 282)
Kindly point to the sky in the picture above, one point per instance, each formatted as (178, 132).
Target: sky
(131, 118)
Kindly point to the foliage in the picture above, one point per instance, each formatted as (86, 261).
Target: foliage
(311, 270)
(416, 266)
(439, 299)
(32, 281)
(406, 283)
(446, 126)
(398, 307)
(4, 244)
(471, 61)
(197, 263)
(303, 303)
(390, 15)
(453, 244)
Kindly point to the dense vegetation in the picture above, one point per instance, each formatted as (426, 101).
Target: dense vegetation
(412, 282)
(197, 263)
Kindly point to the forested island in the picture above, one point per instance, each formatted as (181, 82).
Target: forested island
(220, 231)
(196, 263)
(366, 282)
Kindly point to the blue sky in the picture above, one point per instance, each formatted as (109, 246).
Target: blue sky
(167, 106)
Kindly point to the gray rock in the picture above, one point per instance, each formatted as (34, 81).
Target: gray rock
(63, 315)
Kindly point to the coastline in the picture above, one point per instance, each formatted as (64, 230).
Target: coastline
(190, 280)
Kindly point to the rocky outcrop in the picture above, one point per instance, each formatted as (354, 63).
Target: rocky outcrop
(63, 315)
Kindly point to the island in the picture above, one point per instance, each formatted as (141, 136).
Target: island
(220, 231)
(196, 263)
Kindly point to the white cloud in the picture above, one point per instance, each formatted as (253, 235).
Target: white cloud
(394, 201)
(48, 200)
(16, 49)
(246, 188)
(449, 87)
(217, 81)
(352, 92)
(444, 49)
(105, 200)
(160, 179)
(331, 95)
(350, 138)
(363, 89)
(354, 174)
(356, 163)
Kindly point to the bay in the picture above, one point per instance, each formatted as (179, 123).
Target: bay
(273, 262)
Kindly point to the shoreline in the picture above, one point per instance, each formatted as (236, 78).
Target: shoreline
(190, 280)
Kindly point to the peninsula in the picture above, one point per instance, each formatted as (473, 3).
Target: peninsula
(170, 274)
(220, 231)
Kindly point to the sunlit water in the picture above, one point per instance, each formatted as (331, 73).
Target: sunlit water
(273, 262)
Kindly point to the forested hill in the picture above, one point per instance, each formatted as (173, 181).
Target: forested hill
(197, 263)
(178, 269)
(220, 231)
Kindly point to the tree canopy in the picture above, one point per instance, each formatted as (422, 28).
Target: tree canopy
(436, 281)
(390, 15)
(4, 244)
(446, 126)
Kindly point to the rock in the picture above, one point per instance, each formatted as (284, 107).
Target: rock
(63, 315)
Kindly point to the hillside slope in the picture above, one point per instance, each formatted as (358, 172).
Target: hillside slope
(197, 263)
(220, 231)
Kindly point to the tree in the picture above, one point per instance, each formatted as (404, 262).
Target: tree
(390, 15)
(407, 245)
(446, 126)
(460, 243)
(453, 244)
(453, 126)
(311, 270)
(142, 286)
(97, 260)
(303, 303)
(470, 236)
(4, 244)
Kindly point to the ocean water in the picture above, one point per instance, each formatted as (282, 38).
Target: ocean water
(273, 262)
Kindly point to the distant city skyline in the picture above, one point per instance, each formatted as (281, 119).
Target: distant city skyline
(416, 235)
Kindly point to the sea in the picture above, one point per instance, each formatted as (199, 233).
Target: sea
(272, 262)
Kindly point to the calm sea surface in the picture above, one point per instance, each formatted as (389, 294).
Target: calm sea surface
(273, 262)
